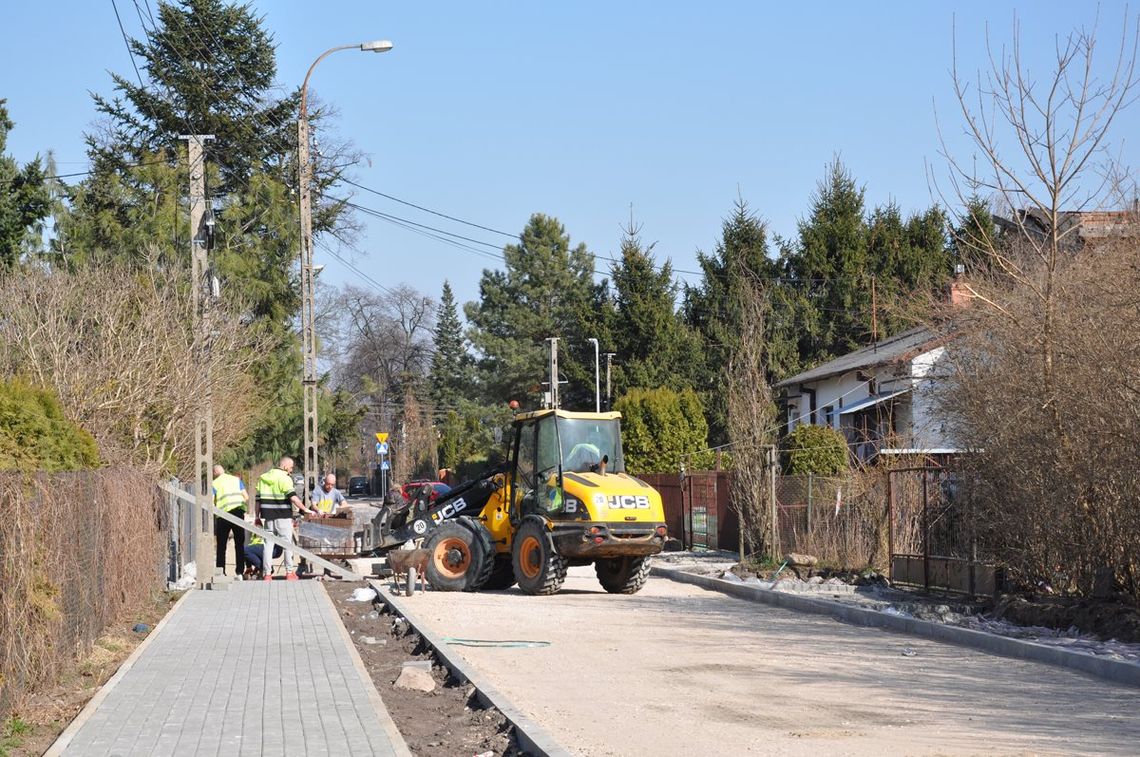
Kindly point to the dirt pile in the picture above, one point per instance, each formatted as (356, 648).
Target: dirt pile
(1106, 619)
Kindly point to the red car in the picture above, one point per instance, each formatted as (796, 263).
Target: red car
(409, 490)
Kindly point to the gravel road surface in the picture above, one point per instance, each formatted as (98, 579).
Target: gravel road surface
(676, 669)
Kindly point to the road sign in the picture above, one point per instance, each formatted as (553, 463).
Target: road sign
(384, 465)
(382, 437)
(382, 448)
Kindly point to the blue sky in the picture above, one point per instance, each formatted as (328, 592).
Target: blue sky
(493, 111)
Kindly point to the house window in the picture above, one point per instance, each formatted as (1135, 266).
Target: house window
(828, 415)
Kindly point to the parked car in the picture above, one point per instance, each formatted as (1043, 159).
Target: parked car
(409, 490)
(358, 486)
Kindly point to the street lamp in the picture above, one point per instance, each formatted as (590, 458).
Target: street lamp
(308, 315)
(597, 386)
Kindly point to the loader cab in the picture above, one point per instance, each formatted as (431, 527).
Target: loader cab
(548, 444)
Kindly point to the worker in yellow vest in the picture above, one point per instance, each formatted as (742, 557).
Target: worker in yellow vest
(276, 498)
(230, 497)
(255, 556)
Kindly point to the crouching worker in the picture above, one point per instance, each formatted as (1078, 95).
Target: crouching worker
(255, 556)
(275, 501)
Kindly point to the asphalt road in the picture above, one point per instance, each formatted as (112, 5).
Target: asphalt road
(676, 669)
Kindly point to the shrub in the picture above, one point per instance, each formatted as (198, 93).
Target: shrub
(815, 449)
(35, 435)
(660, 425)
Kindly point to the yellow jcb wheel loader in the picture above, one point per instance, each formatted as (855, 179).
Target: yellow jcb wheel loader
(563, 498)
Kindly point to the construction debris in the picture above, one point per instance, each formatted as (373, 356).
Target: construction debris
(416, 675)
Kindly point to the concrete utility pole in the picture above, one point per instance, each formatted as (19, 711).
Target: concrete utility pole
(202, 293)
(308, 301)
(609, 393)
(597, 378)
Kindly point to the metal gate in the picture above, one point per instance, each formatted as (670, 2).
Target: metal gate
(931, 538)
(700, 513)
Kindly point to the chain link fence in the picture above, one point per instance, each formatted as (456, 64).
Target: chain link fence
(77, 551)
(840, 520)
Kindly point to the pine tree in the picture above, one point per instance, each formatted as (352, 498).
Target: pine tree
(24, 198)
(654, 347)
(451, 376)
(714, 311)
(547, 290)
(850, 274)
(830, 264)
(211, 68)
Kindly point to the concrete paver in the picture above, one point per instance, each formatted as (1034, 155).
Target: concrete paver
(262, 668)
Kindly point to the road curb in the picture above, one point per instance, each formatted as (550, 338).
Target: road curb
(399, 745)
(64, 739)
(531, 736)
(1116, 671)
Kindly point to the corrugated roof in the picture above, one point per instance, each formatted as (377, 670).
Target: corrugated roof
(897, 347)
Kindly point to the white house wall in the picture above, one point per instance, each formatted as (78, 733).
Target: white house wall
(916, 412)
(929, 429)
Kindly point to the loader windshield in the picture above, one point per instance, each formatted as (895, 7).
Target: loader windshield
(585, 442)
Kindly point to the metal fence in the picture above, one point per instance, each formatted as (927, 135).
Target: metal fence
(838, 519)
(77, 551)
(178, 519)
(933, 539)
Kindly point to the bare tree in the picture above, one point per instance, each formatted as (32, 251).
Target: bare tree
(750, 417)
(1043, 144)
(1044, 385)
(115, 343)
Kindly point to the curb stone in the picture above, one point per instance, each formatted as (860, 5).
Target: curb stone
(1117, 671)
(531, 736)
(399, 746)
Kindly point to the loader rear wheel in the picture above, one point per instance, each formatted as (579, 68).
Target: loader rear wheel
(502, 574)
(622, 575)
(459, 557)
(538, 568)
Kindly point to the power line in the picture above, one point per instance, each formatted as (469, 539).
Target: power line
(127, 43)
(429, 210)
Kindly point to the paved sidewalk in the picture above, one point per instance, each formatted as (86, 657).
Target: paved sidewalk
(198, 687)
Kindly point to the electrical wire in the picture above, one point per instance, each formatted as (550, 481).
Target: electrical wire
(127, 43)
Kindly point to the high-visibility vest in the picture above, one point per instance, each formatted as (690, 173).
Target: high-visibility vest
(228, 493)
(275, 493)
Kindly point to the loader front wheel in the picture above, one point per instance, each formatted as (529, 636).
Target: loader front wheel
(622, 575)
(458, 559)
(538, 568)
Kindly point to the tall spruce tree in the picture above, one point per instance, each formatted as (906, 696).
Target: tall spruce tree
(713, 309)
(830, 264)
(654, 347)
(211, 69)
(451, 376)
(850, 273)
(546, 290)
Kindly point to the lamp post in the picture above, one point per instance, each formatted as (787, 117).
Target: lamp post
(308, 315)
(597, 378)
